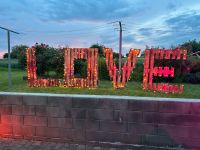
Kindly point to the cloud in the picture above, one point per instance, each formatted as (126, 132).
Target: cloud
(145, 31)
(183, 27)
(89, 10)
(148, 22)
(171, 29)
(190, 20)
(172, 5)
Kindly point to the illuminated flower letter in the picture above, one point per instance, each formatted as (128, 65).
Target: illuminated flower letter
(89, 54)
(119, 80)
(31, 72)
(150, 70)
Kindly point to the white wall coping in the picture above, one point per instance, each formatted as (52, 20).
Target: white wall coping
(102, 97)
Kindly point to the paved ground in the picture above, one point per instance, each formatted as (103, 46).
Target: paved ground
(16, 144)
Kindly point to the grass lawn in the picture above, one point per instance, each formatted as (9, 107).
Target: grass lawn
(104, 88)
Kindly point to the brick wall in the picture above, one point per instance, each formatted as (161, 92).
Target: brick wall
(120, 121)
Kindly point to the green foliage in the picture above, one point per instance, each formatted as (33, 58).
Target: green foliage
(80, 68)
(116, 55)
(19, 52)
(193, 74)
(193, 64)
(100, 49)
(50, 63)
(137, 74)
(59, 62)
(5, 55)
(102, 69)
(49, 60)
(191, 46)
(193, 78)
(22, 62)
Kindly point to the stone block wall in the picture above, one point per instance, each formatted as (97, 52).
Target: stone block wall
(101, 120)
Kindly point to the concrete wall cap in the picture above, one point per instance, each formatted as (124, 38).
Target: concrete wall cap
(101, 97)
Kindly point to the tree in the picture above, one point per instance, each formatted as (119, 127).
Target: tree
(5, 55)
(18, 51)
(116, 55)
(49, 61)
(59, 61)
(191, 46)
(100, 49)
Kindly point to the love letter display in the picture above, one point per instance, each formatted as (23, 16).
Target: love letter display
(119, 80)
(71, 54)
(119, 77)
(89, 54)
(151, 71)
(33, 81)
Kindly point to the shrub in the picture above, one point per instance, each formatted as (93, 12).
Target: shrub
(137, 74)
(49, 61)
(102, 69)
(80, 68)
(193, 78)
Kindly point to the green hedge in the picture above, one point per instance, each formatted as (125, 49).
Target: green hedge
(4, 63)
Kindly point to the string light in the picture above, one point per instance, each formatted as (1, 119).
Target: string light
(32, 75)
(119, 80)
(89, 54)
(150, 70)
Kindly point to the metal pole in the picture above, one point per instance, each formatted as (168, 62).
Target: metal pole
(120, 47)
(9, 62)
(9, 58)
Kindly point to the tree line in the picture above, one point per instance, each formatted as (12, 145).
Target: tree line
(50, 63)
